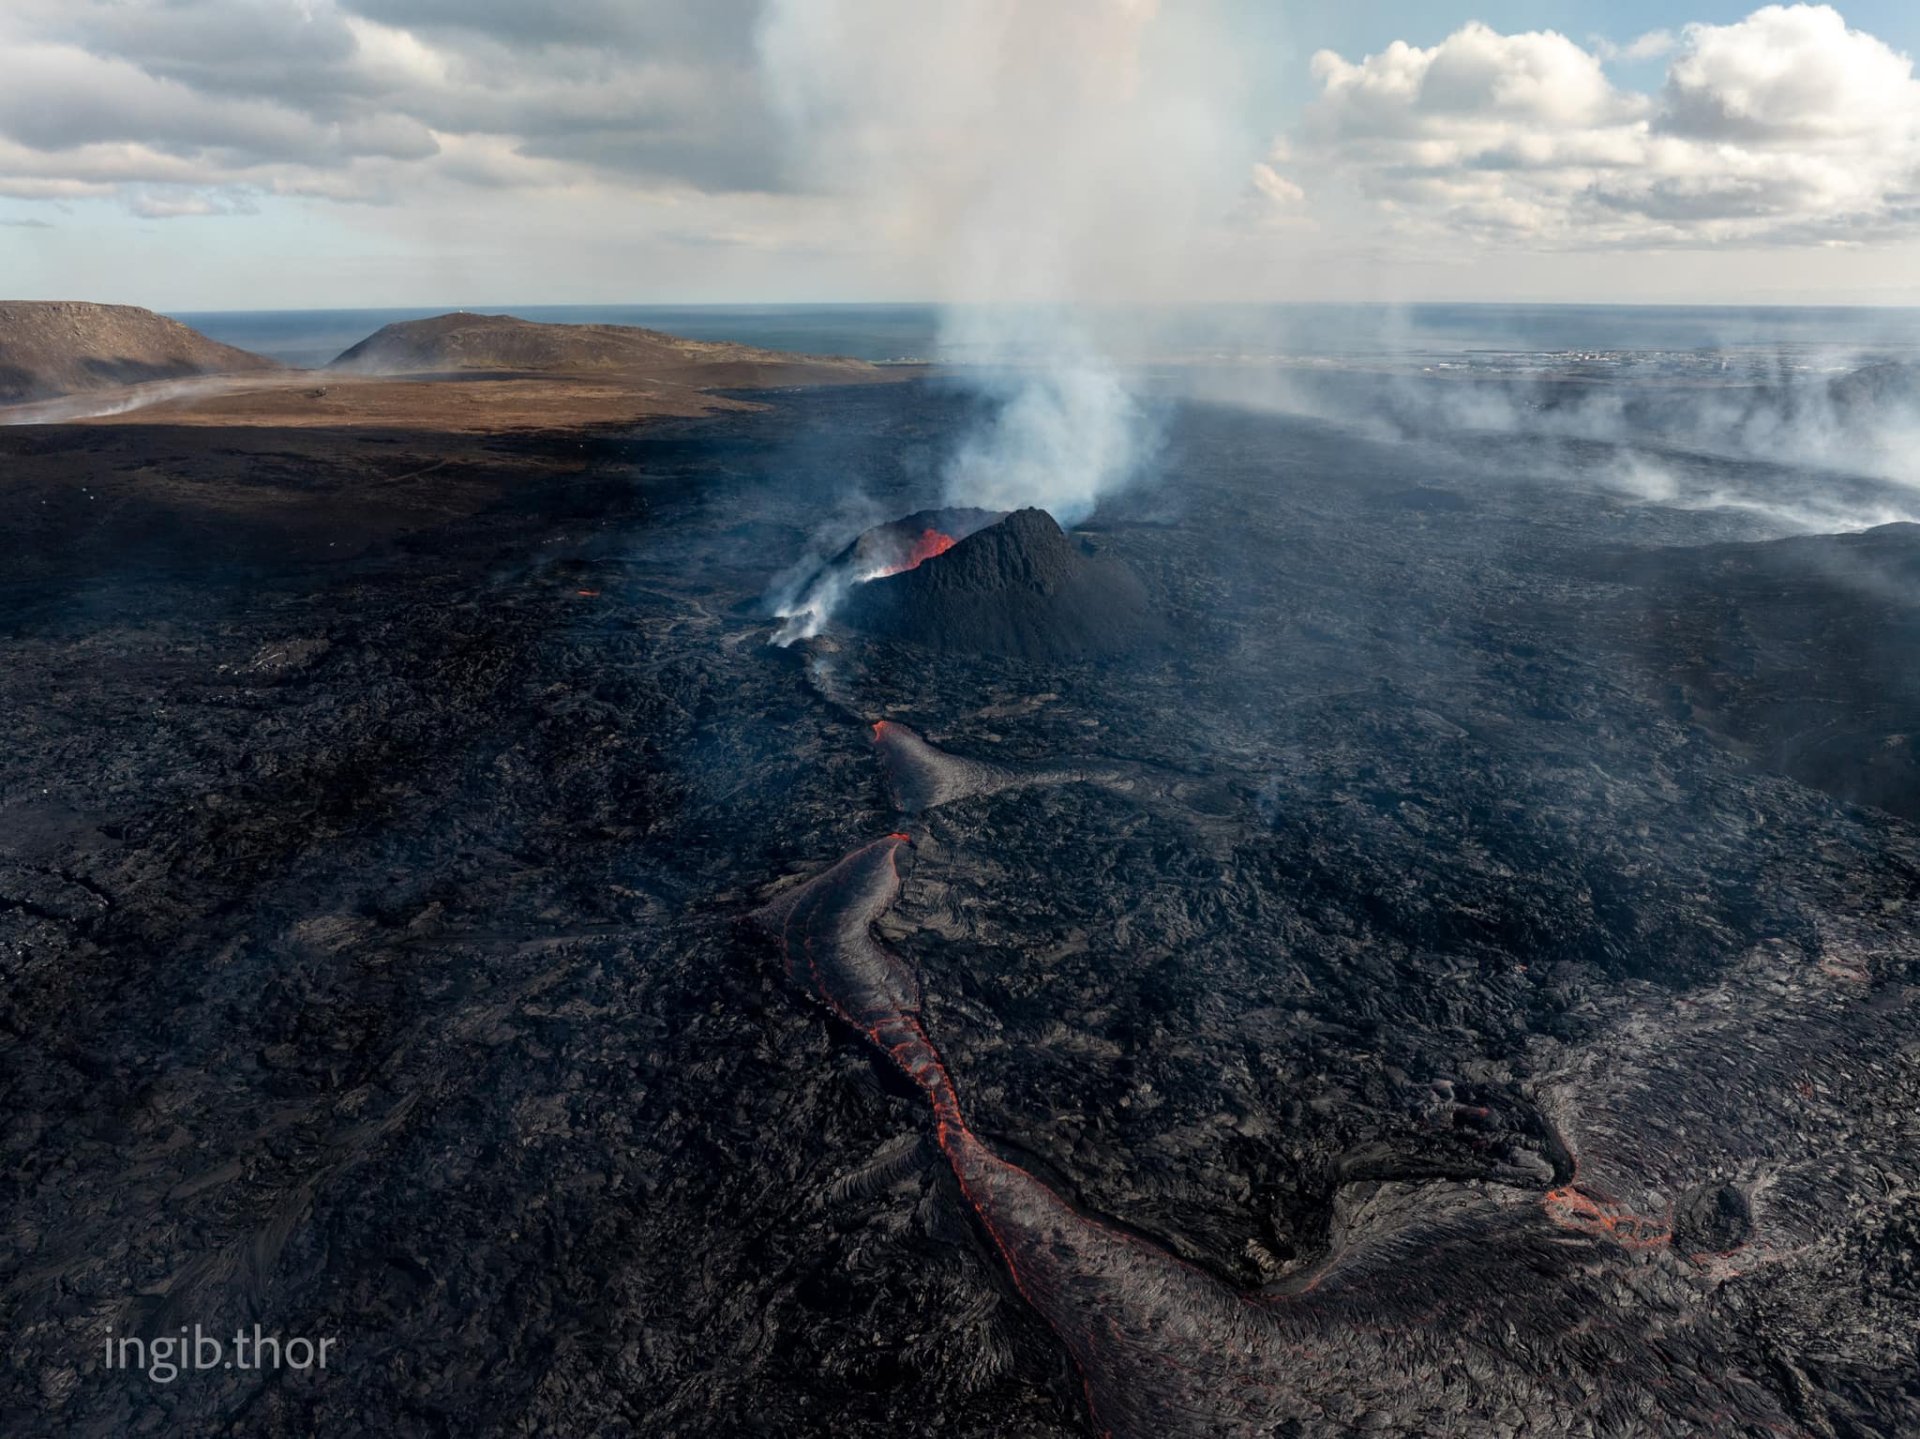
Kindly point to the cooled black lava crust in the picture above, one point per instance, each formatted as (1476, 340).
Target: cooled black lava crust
(1018, 588)
(1449, 908)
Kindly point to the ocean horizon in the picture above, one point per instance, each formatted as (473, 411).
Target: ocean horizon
(1800, 336)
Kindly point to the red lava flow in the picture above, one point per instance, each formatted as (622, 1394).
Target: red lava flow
(1572, 1207)
(929, 543)
(1161, 1346)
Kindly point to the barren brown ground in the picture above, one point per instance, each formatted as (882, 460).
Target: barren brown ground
(472, 402)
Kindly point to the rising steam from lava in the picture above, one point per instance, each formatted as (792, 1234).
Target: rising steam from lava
(1034, 157)
(889, 549)
(928, 543)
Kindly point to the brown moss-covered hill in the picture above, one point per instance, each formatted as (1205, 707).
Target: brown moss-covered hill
(501, 343)
(50, 348)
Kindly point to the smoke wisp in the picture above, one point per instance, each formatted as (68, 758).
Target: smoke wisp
(119, 401)
(1038, 157)
(1796, 448)
(1062, 435)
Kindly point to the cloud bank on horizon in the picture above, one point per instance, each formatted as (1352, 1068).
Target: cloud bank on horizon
(660, 127)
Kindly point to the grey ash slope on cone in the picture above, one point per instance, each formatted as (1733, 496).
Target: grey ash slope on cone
(1020, 588)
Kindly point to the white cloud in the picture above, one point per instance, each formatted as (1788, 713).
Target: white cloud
(1474, 79)
(1277, 187)
(1650, 46)
(1790, 76)
(1784, 127)
(368, 99)
(981, 146)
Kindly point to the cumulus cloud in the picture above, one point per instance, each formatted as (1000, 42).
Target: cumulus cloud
(920, 173)
(367, 99)
(1787, 126)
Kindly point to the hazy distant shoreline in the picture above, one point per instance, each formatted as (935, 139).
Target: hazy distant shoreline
(878, 332)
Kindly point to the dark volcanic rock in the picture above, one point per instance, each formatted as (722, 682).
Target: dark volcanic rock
(1890, 384)
(1796, 651)
(1019, 588)
(1432, 1024)
(1712, 1218)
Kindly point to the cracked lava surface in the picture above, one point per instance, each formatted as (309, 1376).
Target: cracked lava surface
(1162, 1347)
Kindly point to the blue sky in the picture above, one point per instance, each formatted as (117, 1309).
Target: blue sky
(284, 153)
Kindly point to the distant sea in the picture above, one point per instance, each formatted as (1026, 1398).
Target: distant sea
(1793, 338)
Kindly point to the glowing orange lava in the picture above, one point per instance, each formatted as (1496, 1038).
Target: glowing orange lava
(1573, 1208)
(825, 931)
(930, 543)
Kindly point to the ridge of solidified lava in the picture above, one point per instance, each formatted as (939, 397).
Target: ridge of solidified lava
(1165, 1348)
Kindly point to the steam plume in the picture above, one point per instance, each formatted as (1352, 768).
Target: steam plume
(1796, 447)
(1044, 156)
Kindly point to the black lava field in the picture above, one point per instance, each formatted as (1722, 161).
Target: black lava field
(1360, 936)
